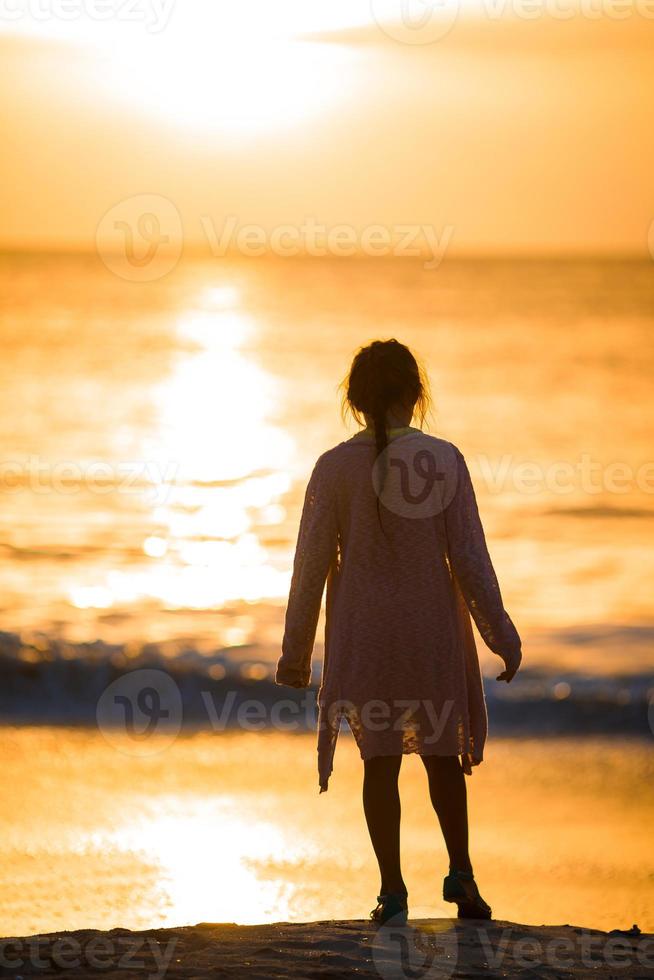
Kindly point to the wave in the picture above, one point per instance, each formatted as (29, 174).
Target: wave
(48, 681)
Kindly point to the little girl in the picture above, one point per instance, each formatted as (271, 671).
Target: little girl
(390, 522)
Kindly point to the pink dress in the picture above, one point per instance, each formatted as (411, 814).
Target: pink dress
(401, 547)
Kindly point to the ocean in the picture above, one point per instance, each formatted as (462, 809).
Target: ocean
(156, 442)
(157, 439)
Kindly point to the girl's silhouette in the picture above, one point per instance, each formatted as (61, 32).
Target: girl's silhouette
(390, 522)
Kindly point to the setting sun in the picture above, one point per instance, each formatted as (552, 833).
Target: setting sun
(229, 83)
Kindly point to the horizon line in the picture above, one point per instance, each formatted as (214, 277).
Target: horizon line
(458, 254)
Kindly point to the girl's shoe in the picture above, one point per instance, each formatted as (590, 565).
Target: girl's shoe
(461, 887)
(390, 906)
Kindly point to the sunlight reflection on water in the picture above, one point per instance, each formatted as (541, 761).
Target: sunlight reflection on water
(231, 827)
(230, 466)
(207, 852)
(220, 384)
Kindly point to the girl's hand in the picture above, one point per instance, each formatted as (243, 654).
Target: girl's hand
(511, 664)
(292, 676)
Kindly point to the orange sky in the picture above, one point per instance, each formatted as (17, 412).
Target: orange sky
(520, 134)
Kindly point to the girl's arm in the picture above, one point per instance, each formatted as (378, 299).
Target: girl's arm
(474, 571)
(316, 549)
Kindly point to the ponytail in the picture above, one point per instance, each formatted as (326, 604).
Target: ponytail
(379, 407)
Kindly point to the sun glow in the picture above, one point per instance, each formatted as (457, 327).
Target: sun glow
(228, 83)
(212, 67)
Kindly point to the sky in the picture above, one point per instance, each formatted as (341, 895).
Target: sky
(507, 125)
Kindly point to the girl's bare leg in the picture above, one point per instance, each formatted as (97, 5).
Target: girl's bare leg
(447, 789)
(381, 804)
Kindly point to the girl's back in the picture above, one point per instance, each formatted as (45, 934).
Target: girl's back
(390, 523)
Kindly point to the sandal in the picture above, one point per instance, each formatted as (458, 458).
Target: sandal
(461, 887)
(390, 906)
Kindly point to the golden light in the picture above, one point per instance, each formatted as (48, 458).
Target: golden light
(231, 68)
(155, 547)
(208, 852)
(233, 84)
(214, 410)
(231, 467)
(91, 596)
(221, 297)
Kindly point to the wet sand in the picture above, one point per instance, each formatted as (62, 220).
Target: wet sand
(230, 828)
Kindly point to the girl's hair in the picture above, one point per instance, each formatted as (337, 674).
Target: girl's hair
(383, 374)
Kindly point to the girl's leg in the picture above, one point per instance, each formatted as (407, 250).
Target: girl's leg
(381, 804)
(447, 789)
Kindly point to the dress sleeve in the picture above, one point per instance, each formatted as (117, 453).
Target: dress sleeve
(316, 549)
(472, 566)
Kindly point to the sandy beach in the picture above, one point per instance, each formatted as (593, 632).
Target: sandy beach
(426, 948)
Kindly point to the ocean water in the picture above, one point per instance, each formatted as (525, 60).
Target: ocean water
(156, 442)
(232, 829)
(157, 438)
